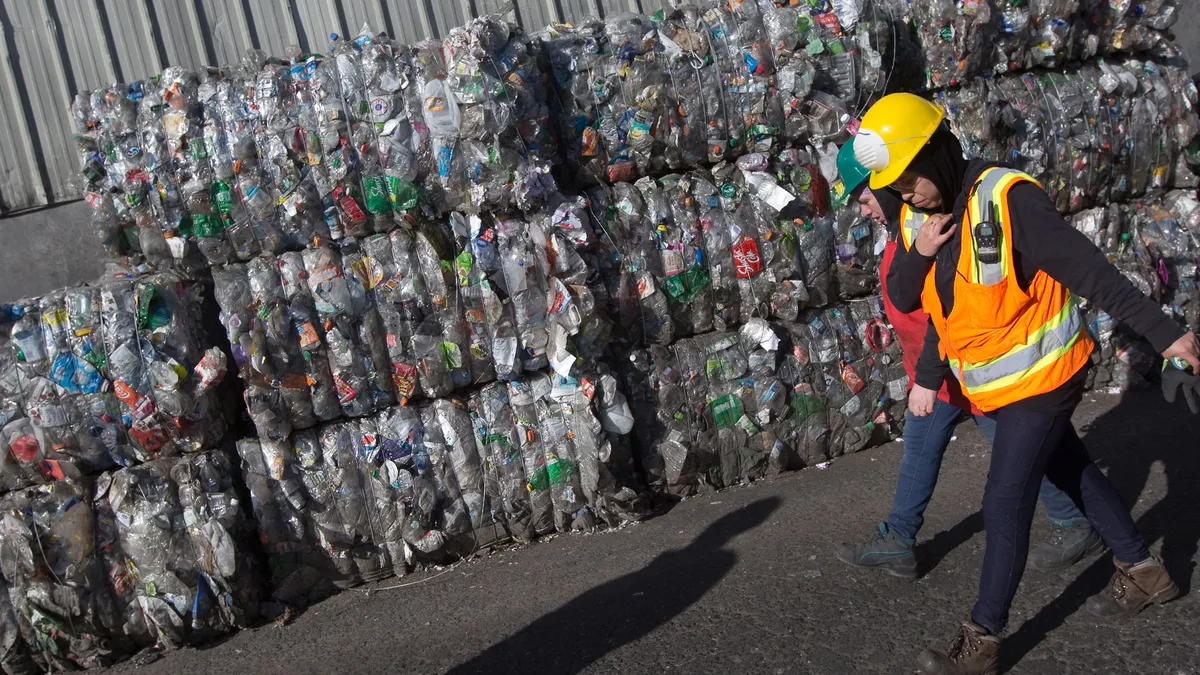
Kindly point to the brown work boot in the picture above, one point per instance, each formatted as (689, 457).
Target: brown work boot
(1133, 588)
(973, 652)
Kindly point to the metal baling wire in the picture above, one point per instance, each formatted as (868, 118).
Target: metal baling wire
(212, 113)
(361, 164)
(724, 79)
(368, 472)
(891, 68)
(282, 79)
(165, 170)
(1049, 129)
(457, 306)
(302, 117)
(137, 342)
(1103, 138)
(215, 111)
(1069, 175)
(240, 125)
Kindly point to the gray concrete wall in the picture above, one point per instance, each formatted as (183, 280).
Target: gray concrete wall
(48, 249)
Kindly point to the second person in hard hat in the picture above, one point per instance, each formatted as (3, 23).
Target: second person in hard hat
(998, 271)
(929, 428)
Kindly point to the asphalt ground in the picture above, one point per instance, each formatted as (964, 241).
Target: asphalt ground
(746, 581)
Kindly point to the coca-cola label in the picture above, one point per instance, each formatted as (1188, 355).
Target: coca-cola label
(745, 258)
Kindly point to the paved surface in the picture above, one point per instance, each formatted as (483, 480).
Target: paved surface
(745, 581)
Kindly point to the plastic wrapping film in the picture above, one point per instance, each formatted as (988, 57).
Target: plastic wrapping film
(1104, 132)
(109, 375)
(639, 95)
(178, 550)
(965, 39)
(355, 501)
(56, 580)
(728, 407)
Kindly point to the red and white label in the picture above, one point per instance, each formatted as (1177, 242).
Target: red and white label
(745, 258)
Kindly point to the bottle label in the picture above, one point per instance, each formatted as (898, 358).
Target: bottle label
(746, 259)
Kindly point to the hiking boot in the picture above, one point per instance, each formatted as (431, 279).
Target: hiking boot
(886, 550)
(1133, 588)
(973, 652)
(1069, 542)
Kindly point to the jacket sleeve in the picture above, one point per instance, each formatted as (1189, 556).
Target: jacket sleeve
(906, 278)
(932, 369)
(1044, 241)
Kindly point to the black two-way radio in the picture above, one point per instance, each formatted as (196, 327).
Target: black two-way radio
(987, 238)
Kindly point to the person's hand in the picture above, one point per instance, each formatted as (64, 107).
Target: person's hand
(930, 237)
(1186, 348)
(1174, 380)
(921, 400)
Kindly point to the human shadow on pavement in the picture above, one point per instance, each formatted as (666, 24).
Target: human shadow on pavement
(625, 609)
(930, 552)
(1141, 431)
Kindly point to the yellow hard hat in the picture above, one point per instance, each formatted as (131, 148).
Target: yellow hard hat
(892, 133)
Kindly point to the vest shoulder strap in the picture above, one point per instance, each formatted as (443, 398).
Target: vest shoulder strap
(988, 204)
(911, 221)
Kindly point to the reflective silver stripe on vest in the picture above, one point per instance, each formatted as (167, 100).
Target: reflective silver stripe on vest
(1052, 340)
(993, 273)
(912, 224)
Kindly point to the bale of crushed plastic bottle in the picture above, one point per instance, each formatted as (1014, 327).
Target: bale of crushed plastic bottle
(964, 40)
(56, 579)
(1092, 135)
(709, 81)
(178, 548)
(106, 375)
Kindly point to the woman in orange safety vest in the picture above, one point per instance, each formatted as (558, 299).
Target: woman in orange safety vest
(1000, 272)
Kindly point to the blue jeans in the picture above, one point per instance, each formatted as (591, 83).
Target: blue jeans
(925, 441)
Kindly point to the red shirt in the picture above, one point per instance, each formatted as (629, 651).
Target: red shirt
(910, 331)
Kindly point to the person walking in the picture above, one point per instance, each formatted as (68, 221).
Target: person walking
(999, 271)
(936, 409)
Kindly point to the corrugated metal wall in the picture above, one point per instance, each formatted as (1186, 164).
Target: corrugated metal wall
(55, 48)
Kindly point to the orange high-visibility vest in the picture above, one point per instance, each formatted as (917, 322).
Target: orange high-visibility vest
(1004, 344)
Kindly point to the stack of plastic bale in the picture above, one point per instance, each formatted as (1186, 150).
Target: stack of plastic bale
(61, 419)
(1153, 243)
(94, 378)
(1092, 135)
(707, 82)
(412, 314)
(177, 548)
(610, 89)
(300, 167)
(107, 375)
(1185, 301)
(965, 39)
(355, 501)
(128, 179)
(689, 257)
(728, 407)
(483, 104)
(829, 61)
(56, 581)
